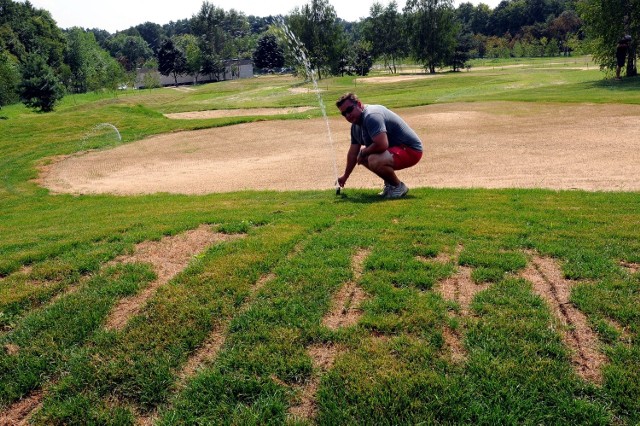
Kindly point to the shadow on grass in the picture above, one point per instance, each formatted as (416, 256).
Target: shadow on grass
(361, 197)
(627, 84)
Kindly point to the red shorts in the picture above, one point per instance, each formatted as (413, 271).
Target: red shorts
(404, 157)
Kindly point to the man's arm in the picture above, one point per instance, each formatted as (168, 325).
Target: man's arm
(380, 144)
(352, 161)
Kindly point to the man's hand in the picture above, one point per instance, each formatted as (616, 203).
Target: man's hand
(342, 180)
(362, 156)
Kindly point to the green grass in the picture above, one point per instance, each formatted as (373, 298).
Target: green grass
(393, 367)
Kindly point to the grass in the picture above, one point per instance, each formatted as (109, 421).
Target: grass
(394, 366)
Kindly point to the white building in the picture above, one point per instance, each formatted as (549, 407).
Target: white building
(233, 70)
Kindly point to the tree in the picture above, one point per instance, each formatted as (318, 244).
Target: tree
(268, 54)
(77, 59)
(9, 79)
(474, 19)
(508, 17)
(464, 44)
(188, 43)
(360, 58)
(130, 50)
(152, 33)
(171, 60)
(101, 36)
(179, 27)
(89, 66)
(480, 19)
(498, 47)
(25, 29)
(238, 40)
(315, 26)
(432, 31)
(259, 25)
(39, 88)
(511, 15)
(606, 21)
(208, 26)
(564, 27)
(383, 29)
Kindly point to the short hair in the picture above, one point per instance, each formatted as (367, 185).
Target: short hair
(347, 97)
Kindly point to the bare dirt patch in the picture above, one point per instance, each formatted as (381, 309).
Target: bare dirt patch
(216, 339)
(168, 257)
(469, 145)
(220, 113)
(323, 357)
(18, 414)
(549, 283)
(631, 267)
(396, 78)
(11, 349)
(209, 350)
(303, 90)
(461, 289)
(346, 304)
(453, 340)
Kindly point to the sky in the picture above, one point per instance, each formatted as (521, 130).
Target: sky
(118, 15)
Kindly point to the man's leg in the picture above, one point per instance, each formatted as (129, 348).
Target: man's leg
(382, 165)
(385, 165)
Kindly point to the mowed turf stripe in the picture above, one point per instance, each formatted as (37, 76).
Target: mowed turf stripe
(265, 356)
(128, 373)
(518, 366)
(395, 370)
(45, 338)
(37, 284)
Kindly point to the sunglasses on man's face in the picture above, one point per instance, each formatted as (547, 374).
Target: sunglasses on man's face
(348, 110)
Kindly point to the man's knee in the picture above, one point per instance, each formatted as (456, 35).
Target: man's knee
(375, 161)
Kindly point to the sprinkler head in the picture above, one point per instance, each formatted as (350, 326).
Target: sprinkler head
(338, 190)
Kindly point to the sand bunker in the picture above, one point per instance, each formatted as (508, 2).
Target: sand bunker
(219, 113)
(470, 145)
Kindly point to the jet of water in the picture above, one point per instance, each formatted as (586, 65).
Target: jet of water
(109, 125)
(93, 137)
(300, 53)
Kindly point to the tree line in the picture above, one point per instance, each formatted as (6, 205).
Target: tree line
(40, 62)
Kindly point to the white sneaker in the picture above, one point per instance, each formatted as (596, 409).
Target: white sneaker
(397, 191)
(385, 190)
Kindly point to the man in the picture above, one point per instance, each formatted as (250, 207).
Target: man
(381, 141)
(621, 54)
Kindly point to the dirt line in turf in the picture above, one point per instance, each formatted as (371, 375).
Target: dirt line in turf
(169, 256)
(345, 312)
(209, 350)
(18, 413)
(460, 289)
(346, 303)
(549, 283)
(631, 267)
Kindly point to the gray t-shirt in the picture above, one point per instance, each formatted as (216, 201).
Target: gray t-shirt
(377, 119)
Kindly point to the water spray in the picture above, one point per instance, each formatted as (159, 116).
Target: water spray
(96, 133)
(300, 53)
